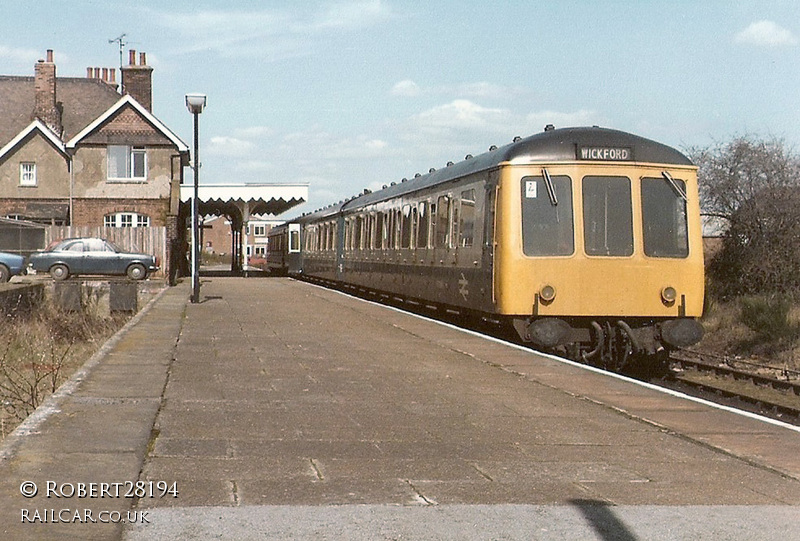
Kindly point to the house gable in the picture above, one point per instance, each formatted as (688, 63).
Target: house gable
(124, 122)
(127, 127)
(24, 136)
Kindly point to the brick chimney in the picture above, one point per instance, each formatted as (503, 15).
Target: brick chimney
(137, 80)
(46, 108)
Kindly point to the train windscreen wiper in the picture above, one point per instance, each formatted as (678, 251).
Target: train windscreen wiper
(551, 189)
(675, 186)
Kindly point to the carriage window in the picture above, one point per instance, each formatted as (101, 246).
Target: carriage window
(467, 228)
(294, 238)
(424, 224)
(607, 217)
(547, 228)
(664, 219)
(405, 227)
(358, 240)
(442, 222)
(379, 229)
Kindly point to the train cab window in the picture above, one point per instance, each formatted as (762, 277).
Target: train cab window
(441, 227)
(424, 225)
(664, 218)
(467, 225)
(547, 224)
(607, 216)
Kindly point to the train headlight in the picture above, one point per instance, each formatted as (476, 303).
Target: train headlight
(547, 293)
(669, 295)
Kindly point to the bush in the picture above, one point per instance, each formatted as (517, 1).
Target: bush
(768, 317)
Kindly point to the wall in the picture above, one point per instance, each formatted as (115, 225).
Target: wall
(52, 171)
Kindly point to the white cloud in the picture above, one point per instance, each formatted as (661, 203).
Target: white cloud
(17, 54)
(230, 146)
(461, 115)
(349, 15)
(766, 33)
(253, 132)
(480, 89)
(406, 88)
(276, 33)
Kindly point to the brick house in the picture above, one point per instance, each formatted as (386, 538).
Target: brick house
(83, 151)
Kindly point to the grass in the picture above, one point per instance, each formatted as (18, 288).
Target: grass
(39, 352)
(759, 326)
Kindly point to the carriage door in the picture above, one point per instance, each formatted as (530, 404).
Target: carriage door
(340, 239)
(487, 266)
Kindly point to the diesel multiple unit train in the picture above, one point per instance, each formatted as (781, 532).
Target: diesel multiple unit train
(586, 240)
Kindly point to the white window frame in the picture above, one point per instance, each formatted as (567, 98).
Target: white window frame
(126, 219)
(135, 158)
(27, 174)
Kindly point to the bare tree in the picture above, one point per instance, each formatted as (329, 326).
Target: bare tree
(752, 184)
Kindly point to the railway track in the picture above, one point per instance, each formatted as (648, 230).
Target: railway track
(768, 390)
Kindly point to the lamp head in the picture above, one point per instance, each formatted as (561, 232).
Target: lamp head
(195, 103)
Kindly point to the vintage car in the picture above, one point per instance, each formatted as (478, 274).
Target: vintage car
(71, 257)
(10, 265)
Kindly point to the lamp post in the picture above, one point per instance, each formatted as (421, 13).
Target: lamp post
(195, 103)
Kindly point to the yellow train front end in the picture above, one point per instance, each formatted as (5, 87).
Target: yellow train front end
(600, 256)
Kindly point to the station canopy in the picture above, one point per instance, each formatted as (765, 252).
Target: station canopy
(245, 200)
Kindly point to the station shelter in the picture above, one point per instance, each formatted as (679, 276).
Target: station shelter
(240, 203)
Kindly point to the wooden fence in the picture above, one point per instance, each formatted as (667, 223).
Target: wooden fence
(148, 240)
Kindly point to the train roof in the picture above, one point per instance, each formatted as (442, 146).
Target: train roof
(552, 145)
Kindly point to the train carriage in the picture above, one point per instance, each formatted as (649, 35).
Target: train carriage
(584, 239)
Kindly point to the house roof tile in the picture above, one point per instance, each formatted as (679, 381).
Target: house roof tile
(82, 99)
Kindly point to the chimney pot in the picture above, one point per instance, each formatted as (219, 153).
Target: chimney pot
(50, 55)
(113, 75)
(96, 73)
(105, 74)
(89, 73)
(142, 59)
(132, 57)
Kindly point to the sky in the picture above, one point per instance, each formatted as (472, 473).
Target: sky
(352, 94)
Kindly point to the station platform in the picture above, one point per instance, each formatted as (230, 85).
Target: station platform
(275, 409)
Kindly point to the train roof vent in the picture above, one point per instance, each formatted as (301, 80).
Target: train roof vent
(549, 127)
(417, 175)
(431, 170)
(492, 148)
(449, 164)
(517, 139)
(468, 157)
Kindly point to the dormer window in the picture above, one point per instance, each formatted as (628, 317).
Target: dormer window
(27, 174)
(127, 163)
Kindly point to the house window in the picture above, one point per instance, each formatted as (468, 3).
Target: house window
(27, 174)
(127, 163)
(126, 219)
(260, 230)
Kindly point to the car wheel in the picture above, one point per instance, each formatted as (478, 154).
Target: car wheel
(5, 274)
(137, 272)
(59, 272)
